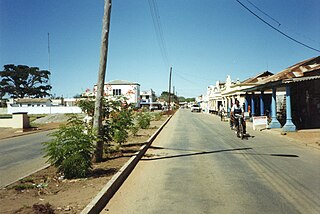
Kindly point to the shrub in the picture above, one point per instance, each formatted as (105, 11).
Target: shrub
(87, 106)
(120, 136)
(24, 186)
(121, 119)
(134, 129)
(157, 116)
(71, 149)
(144, 120)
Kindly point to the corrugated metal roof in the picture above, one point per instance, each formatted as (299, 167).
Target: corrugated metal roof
(298, 70)
(300, 79)
(259, 77)
(302, 71)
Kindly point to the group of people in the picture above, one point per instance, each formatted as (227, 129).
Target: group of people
(235, 111)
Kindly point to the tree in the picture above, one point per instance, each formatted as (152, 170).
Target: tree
(20, 81)
(165, 95)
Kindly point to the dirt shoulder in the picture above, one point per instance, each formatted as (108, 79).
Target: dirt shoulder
(307, 137)
(69, 196)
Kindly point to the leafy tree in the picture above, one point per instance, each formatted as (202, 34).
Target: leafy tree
(20, 81)
(190, 100)
(165, 95)
(183, 99)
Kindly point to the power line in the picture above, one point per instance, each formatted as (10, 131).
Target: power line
(178, 74)
(297, 33)
(289, 37)
(264, 12)
(158, 29)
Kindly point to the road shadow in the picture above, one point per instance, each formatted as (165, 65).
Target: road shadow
(151, 157)
(191, 154)
(273, 155)
(247, 136)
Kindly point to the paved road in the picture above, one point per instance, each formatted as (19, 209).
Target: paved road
(198, 165)
(19, 156)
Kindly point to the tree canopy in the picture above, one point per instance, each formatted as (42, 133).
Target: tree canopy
(21, 81)
(165, 95)
(183, 99)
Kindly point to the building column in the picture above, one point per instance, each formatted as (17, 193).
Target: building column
(261, 103)
(246, 103)
(252, 104)
(274, 122)
(289, 126)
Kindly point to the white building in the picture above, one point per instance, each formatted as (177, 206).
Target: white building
(214, 96)
(42, 106)
(148, 99)
(124, 88)
(235, 89)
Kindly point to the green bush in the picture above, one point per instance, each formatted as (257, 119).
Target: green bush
(120, 136)
(71, 149)
(157, 116)
(121, 120)
(143, 120)
(20, 187)
(134, 129)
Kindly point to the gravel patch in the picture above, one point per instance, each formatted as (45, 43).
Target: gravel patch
(55, 118)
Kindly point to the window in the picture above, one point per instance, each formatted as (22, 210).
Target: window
(116, 92)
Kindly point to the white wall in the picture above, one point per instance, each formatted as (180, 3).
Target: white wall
(17, 121)
(45, 110)
(3, 110)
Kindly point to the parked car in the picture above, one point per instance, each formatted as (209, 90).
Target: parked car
(195, 108)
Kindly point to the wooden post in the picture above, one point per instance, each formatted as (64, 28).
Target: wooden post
(170, 88)
(97, 119)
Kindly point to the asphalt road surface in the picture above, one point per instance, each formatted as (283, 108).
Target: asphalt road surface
(198, 165)
(20, 156)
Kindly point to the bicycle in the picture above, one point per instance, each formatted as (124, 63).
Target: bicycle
(240, 129)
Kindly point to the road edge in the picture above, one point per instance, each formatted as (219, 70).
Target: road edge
(102, 198)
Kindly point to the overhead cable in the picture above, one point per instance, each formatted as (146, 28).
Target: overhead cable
(264, 12)
(289, 37)
(158, 30)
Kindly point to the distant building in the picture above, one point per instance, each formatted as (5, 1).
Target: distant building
(30, 102)
(214, 97)
(148, 99)
(130, 90)
(42, 106)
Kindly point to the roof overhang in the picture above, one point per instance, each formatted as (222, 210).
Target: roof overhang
(280, 83)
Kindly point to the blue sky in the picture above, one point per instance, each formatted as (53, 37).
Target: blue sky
(205, 40)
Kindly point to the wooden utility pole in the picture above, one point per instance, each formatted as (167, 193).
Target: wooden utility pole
(97, 119)
(170, 88)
